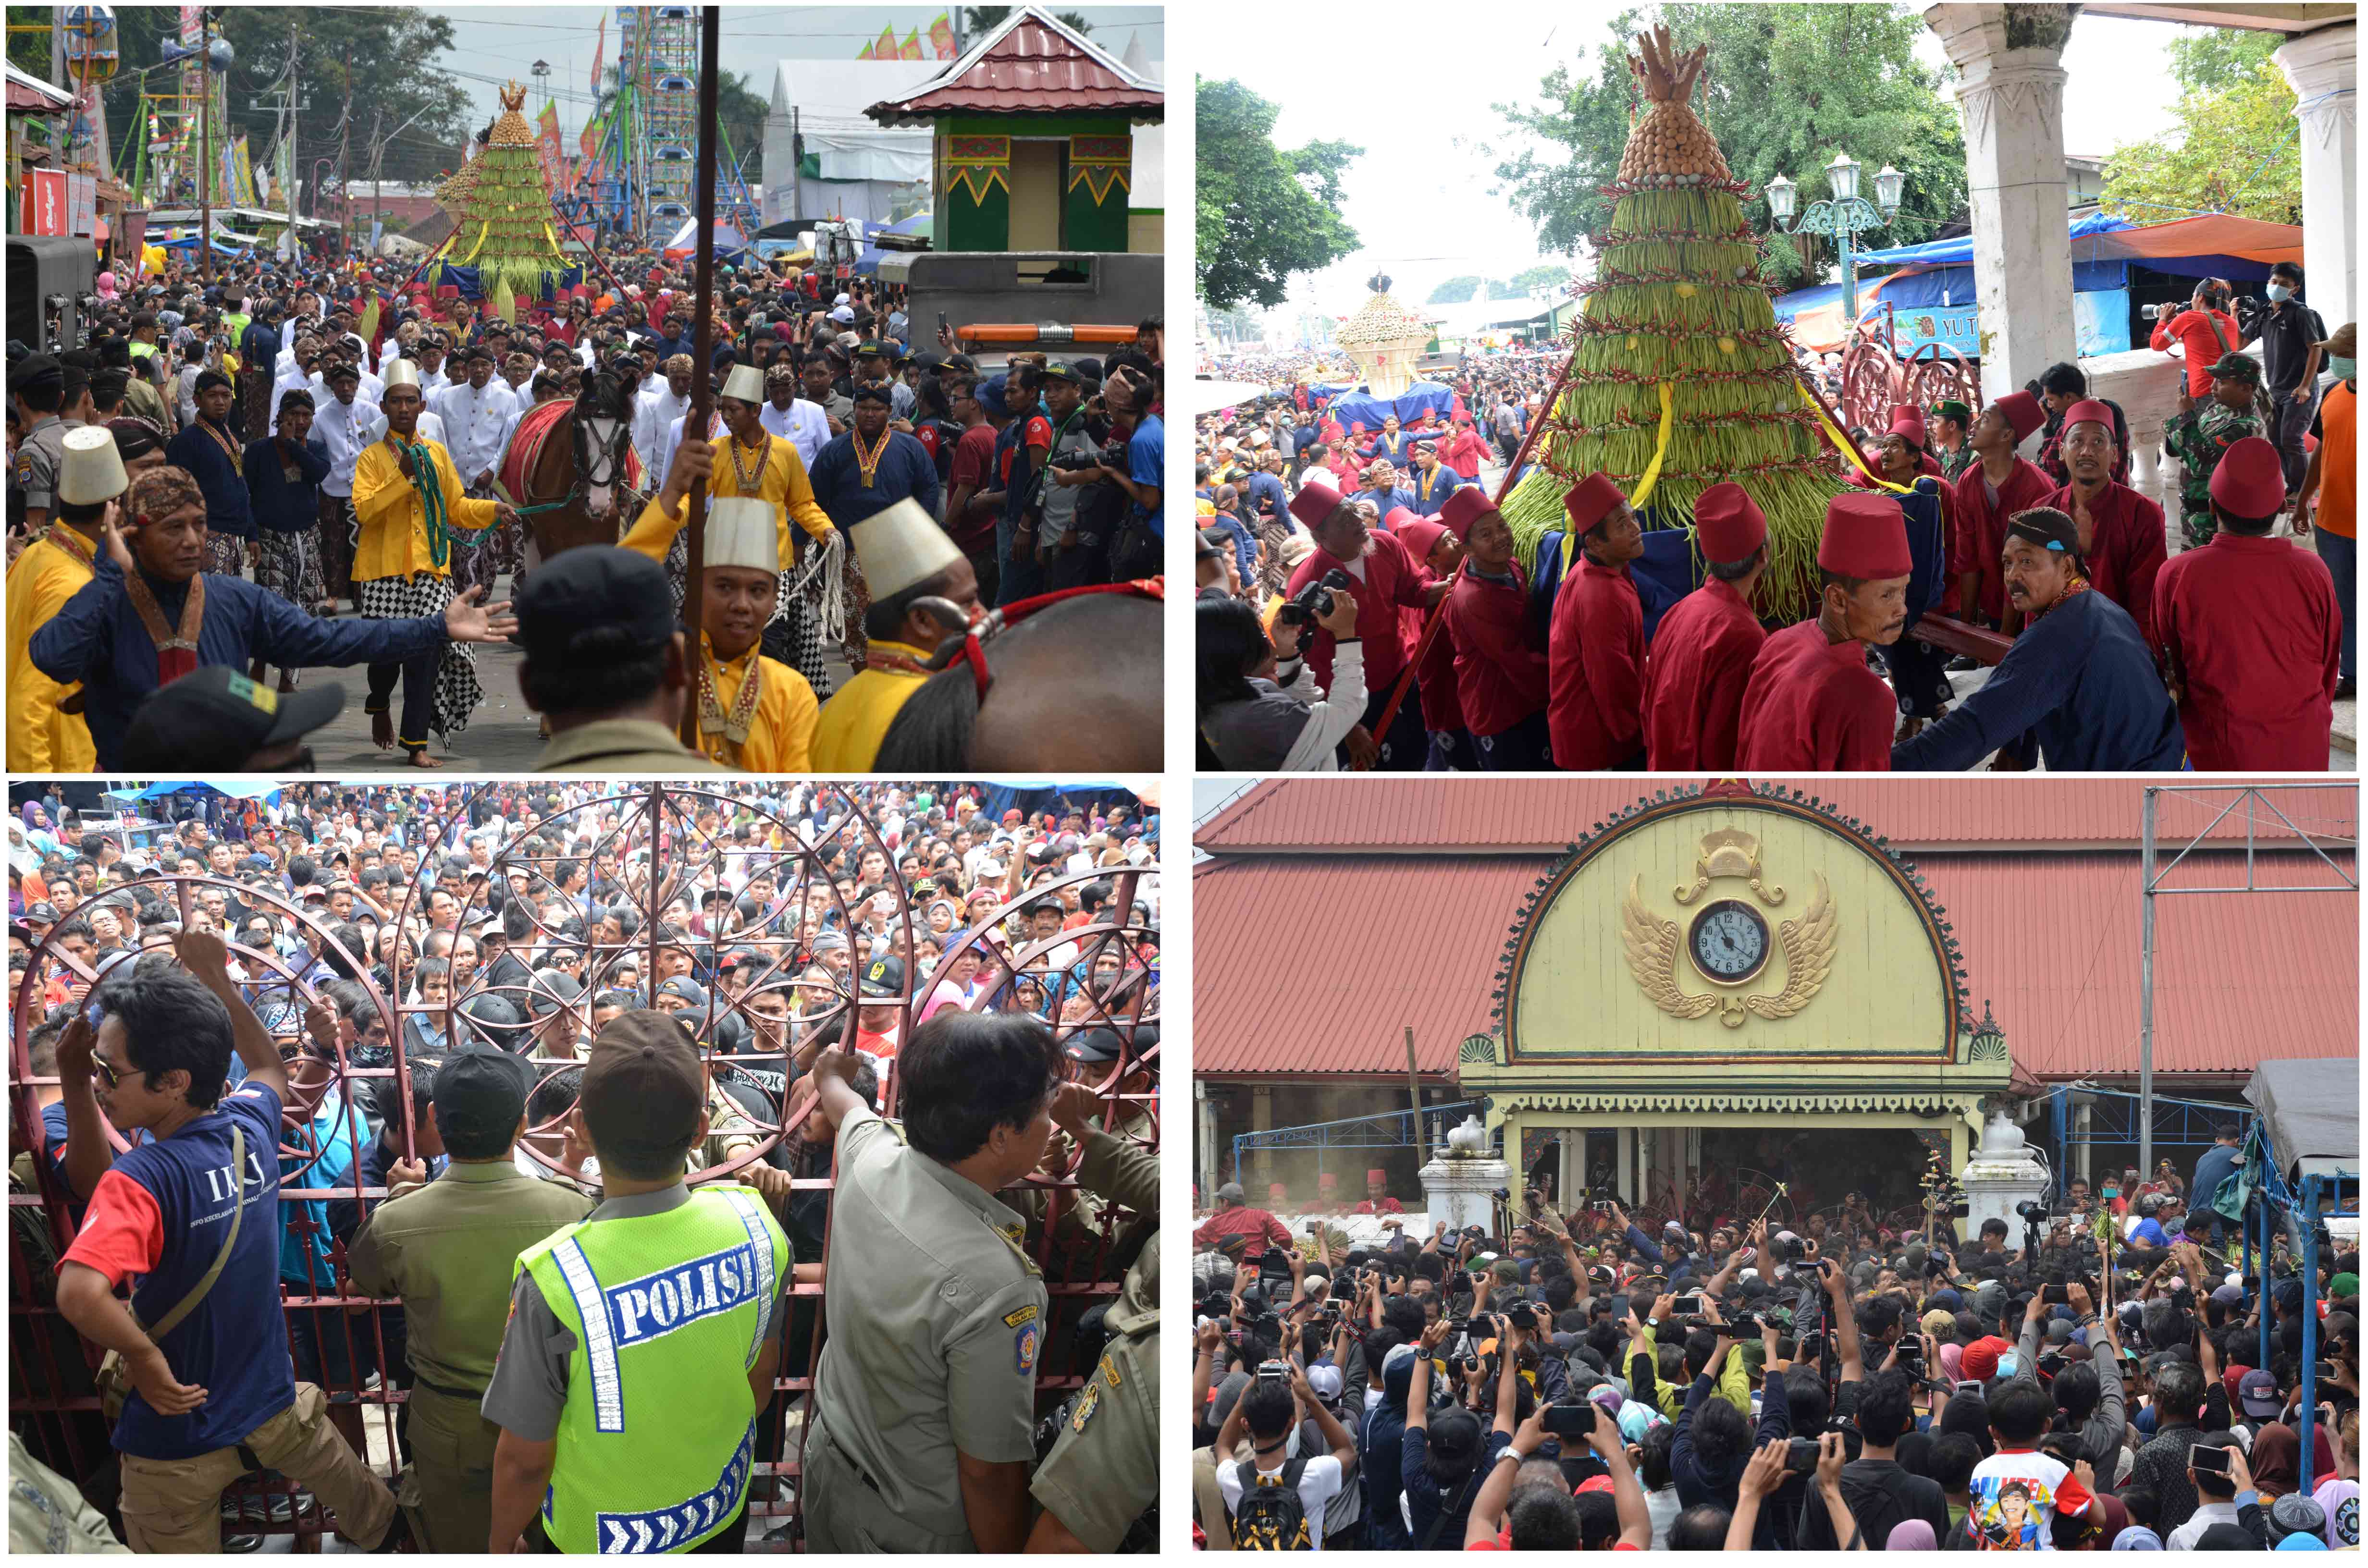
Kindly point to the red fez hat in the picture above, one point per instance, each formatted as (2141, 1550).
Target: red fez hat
(2087, 409)
(1907, 420)
(2249, 482)
(1466, 504)
(2023, 411)
(1327, 1180)
(1866, 538)
(1590, 501)
(1314, 502)
(1420, 535)
(1276, 1192)
(1398, 518)
(1727, 525)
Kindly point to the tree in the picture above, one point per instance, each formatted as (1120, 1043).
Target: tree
(1680, 377)
(388, 51)
(980, 21)
(2212, 59)
(1262, 212)
(2236, 150)
(740, 113)
(1789, 86)
(1456, 291)
(1545, 274)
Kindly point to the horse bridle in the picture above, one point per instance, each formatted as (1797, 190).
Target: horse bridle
(599, 461)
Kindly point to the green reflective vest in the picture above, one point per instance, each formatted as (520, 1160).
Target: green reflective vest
(670, 1312)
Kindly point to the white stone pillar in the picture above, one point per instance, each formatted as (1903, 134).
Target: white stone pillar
(2010, 99)
(2321, 67)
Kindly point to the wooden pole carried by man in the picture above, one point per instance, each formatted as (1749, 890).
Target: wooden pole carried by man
(699, 415)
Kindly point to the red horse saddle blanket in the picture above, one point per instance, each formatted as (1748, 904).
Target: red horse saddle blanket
(534, 428)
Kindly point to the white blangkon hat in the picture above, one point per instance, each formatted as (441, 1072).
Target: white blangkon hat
(745, 382)
(401, 373)
(94, 467)
(740, 532)
(902, 546)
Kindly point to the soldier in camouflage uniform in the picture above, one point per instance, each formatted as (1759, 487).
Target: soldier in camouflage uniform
(1951, 421)
(2199, 432)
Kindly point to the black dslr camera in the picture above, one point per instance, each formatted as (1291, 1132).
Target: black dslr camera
(1311, 604)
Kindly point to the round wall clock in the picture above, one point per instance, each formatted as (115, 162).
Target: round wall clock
(1729, 942)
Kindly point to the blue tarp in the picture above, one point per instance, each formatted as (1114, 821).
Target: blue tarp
(1362, 408)
(1030, 796)
(466, 279)
(1946, 253)
(250, 792)
(868, 264)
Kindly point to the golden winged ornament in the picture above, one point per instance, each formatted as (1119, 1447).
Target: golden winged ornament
(1808, 945)
(1651, 943)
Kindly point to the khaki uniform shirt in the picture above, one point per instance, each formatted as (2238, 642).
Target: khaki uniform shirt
(937, 1322)
(448, 1249)
(628, 744)
(1103, 1470)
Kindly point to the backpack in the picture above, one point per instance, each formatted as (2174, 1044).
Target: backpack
(1271, 1516)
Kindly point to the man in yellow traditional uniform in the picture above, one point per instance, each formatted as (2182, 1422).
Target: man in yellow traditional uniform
(754, 713)
(922, 591)
(42, 736)
(409, 500)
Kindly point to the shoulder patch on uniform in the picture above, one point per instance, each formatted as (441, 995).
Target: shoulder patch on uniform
(1110, 1370)
(1087, 1402)
(1024, 1314)
(1024, 1347)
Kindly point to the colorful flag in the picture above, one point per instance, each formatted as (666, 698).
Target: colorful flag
(911, 48)
(942, 35)
(553, 155)
(886, 49)
(600, 47)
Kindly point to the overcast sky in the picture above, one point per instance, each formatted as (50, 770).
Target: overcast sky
(1419, 196)
(493, 43)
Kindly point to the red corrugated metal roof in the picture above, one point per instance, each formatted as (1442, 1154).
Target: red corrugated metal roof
(1035, 67)
(1315, 964)
(1493, 816)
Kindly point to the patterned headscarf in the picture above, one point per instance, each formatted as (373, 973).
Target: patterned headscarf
(161, 492)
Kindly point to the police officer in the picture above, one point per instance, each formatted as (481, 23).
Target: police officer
(924, 1402)
(38, 385)
(1103, 1470)
(448, 1249)
(639, 1343)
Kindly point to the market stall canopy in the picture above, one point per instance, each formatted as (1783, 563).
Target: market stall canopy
(28, 93)
(2100, 236)
(2312, 1109)
(728, 239)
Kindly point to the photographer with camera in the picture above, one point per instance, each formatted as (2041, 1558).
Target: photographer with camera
(2204, 332)
(1388, 581)
(1527, 1505)
(1276, 1502)
(1713, 1443)
(1444, 1458)
(1264, 705)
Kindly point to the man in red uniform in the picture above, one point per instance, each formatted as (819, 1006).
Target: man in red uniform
(2121, 530)
(1500, 670)
(1703, 648)
(1996, 486)
(1377, 1196)
(1328, 1195)
(1440, 550)
(2251, 636)
(1595, 641)
(1462, 450)
(1386, 580)
(1904, 452)
(1811, 703)
(1234, 1217)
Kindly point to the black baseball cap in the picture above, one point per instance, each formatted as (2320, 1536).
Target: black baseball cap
(884, 977)
(589, 590)
(480, 1094)
(1101, 1044)
(1061, 370)
(215, 717)
(644, 1087)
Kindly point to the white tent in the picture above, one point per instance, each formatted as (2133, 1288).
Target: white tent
(864, 167)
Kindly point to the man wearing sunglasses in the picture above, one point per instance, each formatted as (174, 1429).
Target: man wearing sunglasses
(218, 1385)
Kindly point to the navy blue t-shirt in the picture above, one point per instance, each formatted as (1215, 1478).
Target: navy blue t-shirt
(157, 1218)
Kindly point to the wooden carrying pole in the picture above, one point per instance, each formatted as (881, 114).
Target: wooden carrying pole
(1413, 1098)
(702, 399)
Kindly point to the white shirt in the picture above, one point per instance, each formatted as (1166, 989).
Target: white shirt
(388, 353)
(804, 425)
(2206, 1515)
(671, 438)
(431, 428)
(341, 428)
(433, 381)
(477, 419)
(653, 410)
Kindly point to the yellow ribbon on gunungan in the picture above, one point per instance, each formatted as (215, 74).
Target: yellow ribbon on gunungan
(1848, 448)
(1652, 475)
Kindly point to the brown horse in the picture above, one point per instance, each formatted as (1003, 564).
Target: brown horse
(580, 469)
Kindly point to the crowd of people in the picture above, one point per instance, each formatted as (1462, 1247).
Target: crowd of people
(503, 1105)
(1361, 603)
(218, 468)
(2103, 1376)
